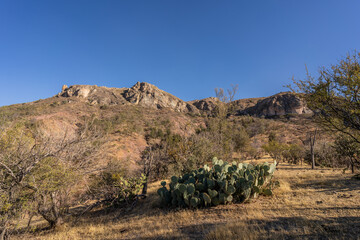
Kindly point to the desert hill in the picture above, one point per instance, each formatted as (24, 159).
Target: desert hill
(126, 115)
(132, 121)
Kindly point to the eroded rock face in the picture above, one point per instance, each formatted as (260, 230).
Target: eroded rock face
(207, 104)
(94, 94)
(146, 94)
(278, 105)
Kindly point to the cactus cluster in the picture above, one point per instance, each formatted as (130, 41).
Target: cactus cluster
(220, 184)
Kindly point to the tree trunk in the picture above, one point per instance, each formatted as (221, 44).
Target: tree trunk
(144, 190)
(148, 165)
(312, 144)
(50, 213)
(53, 220)
(312, 157)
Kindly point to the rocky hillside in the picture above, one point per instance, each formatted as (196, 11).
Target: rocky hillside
(127, 115)
(148, 95)
(144, 94)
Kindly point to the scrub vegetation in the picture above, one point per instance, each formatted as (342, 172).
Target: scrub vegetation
(74, 170)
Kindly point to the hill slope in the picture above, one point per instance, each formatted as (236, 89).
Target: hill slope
(125, 115)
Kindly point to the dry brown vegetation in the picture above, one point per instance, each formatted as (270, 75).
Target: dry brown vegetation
(309, 204)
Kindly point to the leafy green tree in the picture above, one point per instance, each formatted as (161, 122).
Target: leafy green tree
(275, 149)
(334, 96)
(293, 153)
(349, 149)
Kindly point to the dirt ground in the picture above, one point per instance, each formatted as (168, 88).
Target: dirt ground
(309, 204)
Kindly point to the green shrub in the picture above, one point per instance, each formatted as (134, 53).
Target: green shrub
(221, 184)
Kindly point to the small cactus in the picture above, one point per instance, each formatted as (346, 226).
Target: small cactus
(174, 179)
(191, 188)
(207, 198)
(182, 188)
(194, 202)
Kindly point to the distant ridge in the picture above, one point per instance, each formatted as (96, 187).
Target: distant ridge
(149, 95)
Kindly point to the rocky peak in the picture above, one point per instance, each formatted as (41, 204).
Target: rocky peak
(149, 95)
(142, 93)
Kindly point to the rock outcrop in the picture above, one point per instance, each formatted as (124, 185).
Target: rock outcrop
(94, 94)
(207, 104)
(146, 94)
(277, 105)
(246, 103)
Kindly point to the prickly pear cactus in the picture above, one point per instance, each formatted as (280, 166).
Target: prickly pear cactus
(222, 183)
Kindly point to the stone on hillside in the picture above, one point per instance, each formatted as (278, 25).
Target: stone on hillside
(146, 94)
(207, 104)
(94, 94)
(63, 88)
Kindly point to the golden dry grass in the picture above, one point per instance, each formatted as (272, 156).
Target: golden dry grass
(310, 204)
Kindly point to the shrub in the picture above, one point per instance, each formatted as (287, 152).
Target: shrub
(221, 184)
(114, 188)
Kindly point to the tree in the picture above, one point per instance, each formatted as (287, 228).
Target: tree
(293, 153)
(38, 173)
(312, 141)
(223, 108)
(334, 96)
(275, 149)
(349, 149)
(225, 103)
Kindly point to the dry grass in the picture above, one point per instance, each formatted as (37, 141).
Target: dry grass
(310, 204)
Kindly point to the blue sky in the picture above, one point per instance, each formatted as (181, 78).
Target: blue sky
(185, 47)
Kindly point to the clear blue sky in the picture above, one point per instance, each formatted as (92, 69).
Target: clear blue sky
(185, 47)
